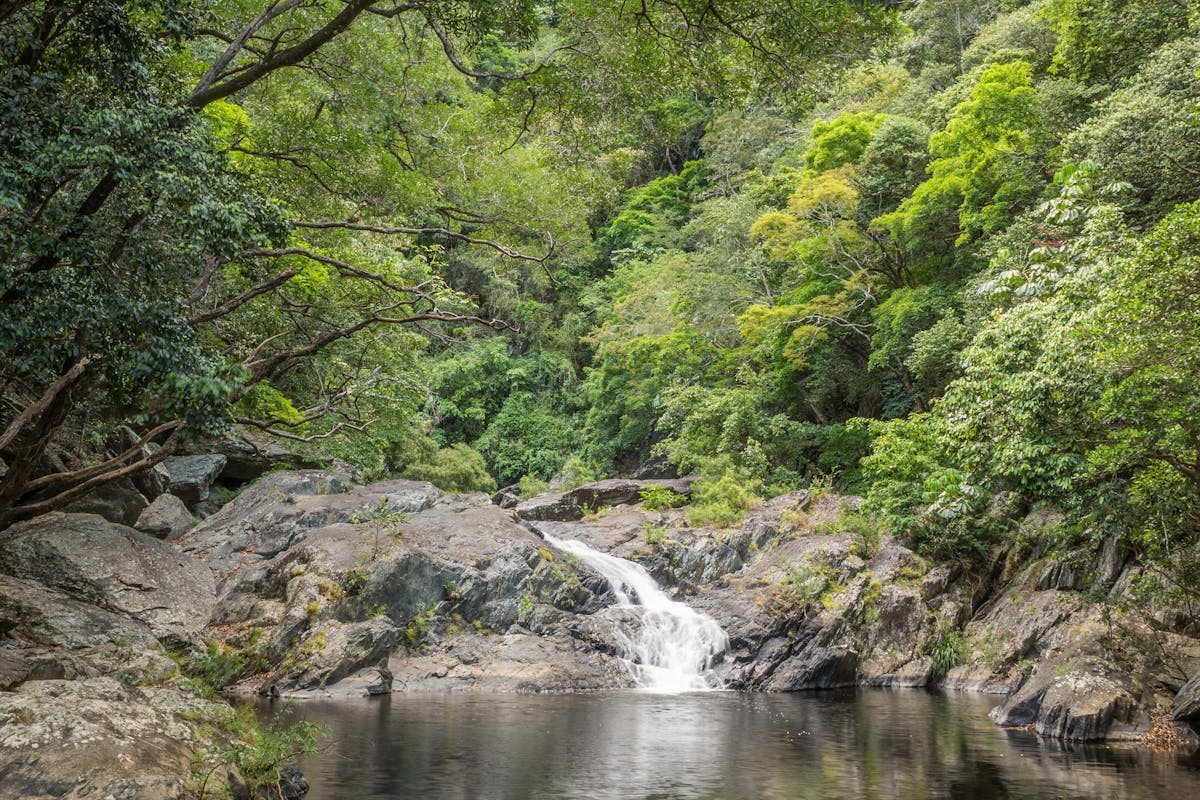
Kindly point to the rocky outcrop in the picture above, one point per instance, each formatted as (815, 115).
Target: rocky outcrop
(517, 661)
(658, 467)
(573, 504)
(333, 650)
(315, 585)
(115, 569)
(192, 477)
(248, 460)
(327, 578)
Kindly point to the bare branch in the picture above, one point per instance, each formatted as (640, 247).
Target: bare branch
(204, 94)
(234, 303)
(238, 42)
(284, 360)
(452, 54)
(14, 513)
(59, 478)
(447, 232)
(37, 408)
(343, 267)
(295, 437)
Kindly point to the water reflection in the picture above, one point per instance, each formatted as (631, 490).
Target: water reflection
(723, 746)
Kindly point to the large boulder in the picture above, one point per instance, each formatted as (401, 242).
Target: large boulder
(166, 518)
(95, 738)
(192, 477)
(1076, 692)
(333, 582)
(1186, 707)
(115, 568)
(31, 612)
(249, 458)
(117, 501)
(1083, 700)
(517, 661)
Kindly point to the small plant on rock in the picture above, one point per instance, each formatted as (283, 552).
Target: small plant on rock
(260, 751)
(948, 650)
(654, 534)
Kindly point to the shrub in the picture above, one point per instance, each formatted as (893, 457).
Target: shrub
(218, 666)
(576, 472)
(657, 497)
(719, 502)
(865, 533)
(261, 751)
(531, 485)
(457, 468)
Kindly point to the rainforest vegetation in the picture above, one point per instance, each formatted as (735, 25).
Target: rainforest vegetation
(941, 253)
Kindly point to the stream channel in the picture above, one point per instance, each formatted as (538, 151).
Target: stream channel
(680, 738)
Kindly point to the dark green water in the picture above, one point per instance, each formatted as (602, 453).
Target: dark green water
(718, 746)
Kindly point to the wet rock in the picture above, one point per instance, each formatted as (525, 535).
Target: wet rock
(1186, 706)
(95, 738)
(165, 518)
(1078, 700)
(192, 477)
(815, 667)
(117, 501)
(115, 568)
(292, 783)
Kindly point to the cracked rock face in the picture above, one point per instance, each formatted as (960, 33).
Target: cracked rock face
(115, 569)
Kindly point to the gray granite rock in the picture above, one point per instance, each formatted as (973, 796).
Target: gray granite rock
(165, 518)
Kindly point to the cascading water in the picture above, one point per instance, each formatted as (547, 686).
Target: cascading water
(676, 645)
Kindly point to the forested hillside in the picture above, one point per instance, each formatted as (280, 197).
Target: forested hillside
(941, 253)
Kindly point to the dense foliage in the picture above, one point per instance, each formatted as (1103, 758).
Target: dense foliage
(942, 253)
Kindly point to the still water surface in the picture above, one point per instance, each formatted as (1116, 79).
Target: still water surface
(713, 746)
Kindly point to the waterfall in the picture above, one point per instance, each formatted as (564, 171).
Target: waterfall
(677, 644)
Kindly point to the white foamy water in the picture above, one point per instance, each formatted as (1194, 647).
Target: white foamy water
(675, 648)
